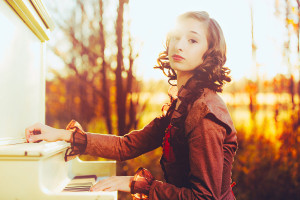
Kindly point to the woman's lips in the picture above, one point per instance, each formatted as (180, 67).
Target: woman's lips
(177, 58)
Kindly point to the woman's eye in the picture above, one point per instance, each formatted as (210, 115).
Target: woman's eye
(193, 41)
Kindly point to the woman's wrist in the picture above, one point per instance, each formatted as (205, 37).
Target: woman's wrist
(77, 137)
(65, 135)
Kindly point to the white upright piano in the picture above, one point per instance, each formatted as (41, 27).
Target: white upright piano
(36, 170)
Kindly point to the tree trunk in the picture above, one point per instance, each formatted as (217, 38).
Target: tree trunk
(298, 50)
(105, 88)
(255, 88)
(121, 101)
(131, 109)
(287, 52)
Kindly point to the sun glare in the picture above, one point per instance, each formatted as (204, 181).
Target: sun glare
(152, 20)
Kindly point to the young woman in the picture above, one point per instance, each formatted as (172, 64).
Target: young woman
(196, 131)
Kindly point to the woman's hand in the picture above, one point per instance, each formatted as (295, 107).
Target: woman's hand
(113, 183)
(46, 133)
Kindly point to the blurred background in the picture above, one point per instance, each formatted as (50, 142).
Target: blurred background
(100, 73)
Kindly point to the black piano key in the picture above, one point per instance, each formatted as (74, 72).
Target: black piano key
(85, 177)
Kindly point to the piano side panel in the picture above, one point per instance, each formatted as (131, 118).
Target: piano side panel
(22, 82)
(18, 179)
(53, 173)
(45, 177)
(65, 171)
(33, 177)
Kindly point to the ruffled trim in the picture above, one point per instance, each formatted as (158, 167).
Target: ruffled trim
(78, 141)
(141, 183)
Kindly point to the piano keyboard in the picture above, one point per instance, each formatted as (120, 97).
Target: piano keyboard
(81, 183)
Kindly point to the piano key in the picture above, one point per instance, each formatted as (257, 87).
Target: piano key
(81, 183)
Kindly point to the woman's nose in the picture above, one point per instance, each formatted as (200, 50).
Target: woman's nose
(180, 45)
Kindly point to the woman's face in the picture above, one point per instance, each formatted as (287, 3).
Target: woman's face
(187, 45)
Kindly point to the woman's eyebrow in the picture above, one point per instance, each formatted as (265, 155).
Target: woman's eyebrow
(194, 32)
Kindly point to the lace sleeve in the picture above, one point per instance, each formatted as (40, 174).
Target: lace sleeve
(78, 141)
(141, 183)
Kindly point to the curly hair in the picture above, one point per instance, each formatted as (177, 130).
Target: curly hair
(211, 72)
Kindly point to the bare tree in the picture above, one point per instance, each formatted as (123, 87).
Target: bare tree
(89, 60)
(287, 49)
(253, 88)
(126, 108)
(291, 19)
(105, 87)
(298, 51)
(121, 94)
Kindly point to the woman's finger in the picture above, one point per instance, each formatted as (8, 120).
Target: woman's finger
(99, 188)
(27, 134)
(110, 189)
(109, 183)
(101, 185)
(29, 131)
(34, 138)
